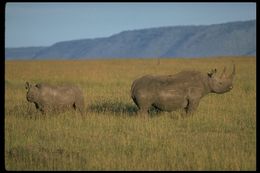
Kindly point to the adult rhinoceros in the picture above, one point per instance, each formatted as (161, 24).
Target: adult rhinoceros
(179, 91)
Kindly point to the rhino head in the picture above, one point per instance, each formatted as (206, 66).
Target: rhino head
(221, 84)
(32, 92)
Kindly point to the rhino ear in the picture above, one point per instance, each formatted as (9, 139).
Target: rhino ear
(27, 85)
(212, 72)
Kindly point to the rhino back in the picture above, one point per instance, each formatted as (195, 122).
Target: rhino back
(61, 95)
(182, 79)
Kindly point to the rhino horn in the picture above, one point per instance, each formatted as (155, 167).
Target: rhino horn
(223, 75)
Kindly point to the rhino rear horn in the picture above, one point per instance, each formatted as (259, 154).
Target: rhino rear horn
(223, 75)
(233, 72)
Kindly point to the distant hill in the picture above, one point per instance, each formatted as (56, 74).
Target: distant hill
(234, 38)
(22, 53)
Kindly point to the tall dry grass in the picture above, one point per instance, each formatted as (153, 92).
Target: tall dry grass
(220, 136)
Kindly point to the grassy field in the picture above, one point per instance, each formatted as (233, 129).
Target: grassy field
(220, 136)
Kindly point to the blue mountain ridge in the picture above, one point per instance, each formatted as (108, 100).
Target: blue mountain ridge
(227, 39)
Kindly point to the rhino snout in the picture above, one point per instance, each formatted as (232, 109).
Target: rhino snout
(29, 97)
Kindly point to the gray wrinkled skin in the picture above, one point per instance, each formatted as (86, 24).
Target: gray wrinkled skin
(180, 91)
(54, 98)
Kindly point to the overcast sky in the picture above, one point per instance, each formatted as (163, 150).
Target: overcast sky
(43, 24)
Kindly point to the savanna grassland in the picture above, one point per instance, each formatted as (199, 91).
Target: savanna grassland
(221, 135)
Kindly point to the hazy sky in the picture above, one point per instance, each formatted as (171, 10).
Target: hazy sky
(43, 24)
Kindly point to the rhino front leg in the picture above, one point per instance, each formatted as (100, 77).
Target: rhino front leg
(41, 108)
(191, 107)
(193, 99)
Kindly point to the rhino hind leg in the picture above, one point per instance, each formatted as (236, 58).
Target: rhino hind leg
(81, 109)
(143, 108)
(143, 105)
(144, 111)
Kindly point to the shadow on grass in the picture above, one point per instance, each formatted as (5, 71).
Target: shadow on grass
(113, 107)
(117, 107)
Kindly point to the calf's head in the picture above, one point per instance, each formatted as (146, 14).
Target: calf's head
(223, 83)
(32, 92)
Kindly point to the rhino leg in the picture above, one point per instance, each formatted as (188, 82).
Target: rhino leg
(193, 99)
(143, 112)
(191, 107)
(43, 112)
(143, 108)
(41, 108)
(79, 105)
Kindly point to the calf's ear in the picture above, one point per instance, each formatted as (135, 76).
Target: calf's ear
(27, 85)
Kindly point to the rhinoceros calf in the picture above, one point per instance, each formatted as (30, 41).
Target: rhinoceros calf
(54, 98)
(180, 91)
